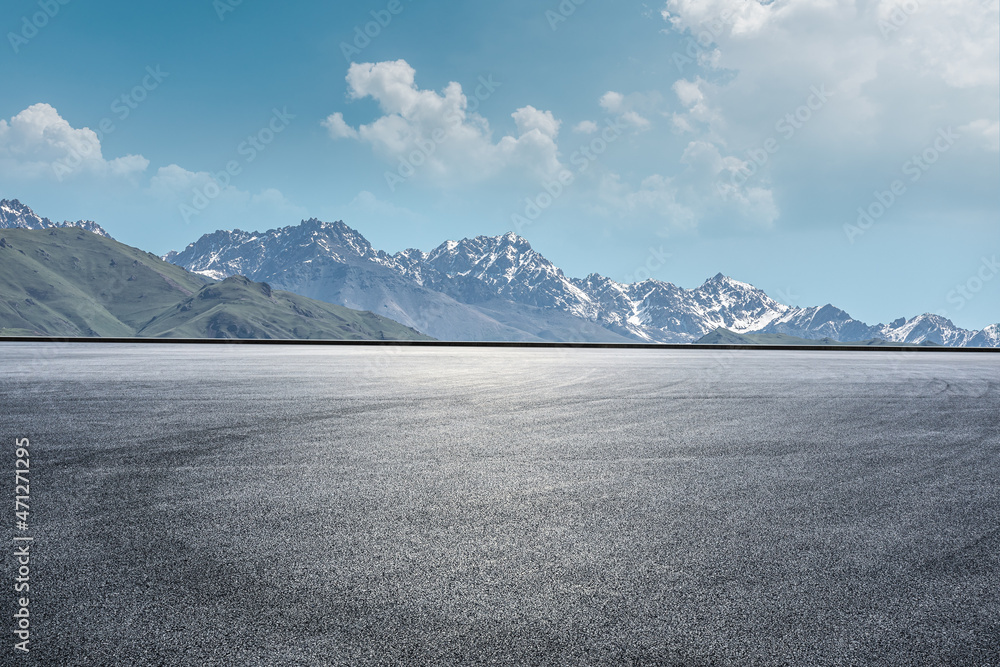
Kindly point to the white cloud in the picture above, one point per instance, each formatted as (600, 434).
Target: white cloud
(586, 127)
(657, 198)
(681, 123)
(689, 92)
(711, 192)
(39, 143)
(895, 77)
(43, 151)
(338, 128)
(529, 118)
(884, 61)
(721, 183)
(698, 113)
(612, 101)
(635, 120)
(956, 40)
(434, 136)
(172, 180)
(631, 110)
(738, 17)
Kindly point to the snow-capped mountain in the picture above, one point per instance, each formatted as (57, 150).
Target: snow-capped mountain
(334, 263)
(499, 288)
(822, 322)
(508, 268)
(988, 337)
(15, 215)
(929, 327)
(661, 312)
(228, 253)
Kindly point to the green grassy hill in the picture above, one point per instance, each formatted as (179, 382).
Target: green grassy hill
(727, 337)
(241, 308)
(71, 283)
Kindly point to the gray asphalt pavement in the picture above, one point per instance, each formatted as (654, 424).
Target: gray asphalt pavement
(351, 506)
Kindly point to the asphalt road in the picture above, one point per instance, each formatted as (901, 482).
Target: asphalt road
(353, 506)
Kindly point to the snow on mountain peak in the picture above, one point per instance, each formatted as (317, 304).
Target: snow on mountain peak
(723, 281)
(928, 328)
(15, 215)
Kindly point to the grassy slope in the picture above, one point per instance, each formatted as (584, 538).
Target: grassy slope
(240, 308)
(68, 282)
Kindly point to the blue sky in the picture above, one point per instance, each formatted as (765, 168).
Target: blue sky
(674, 139)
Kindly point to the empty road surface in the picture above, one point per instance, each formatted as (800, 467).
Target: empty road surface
(217, 505)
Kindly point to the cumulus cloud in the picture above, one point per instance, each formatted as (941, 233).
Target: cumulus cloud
(657, 198)
(585, 127)
(437, 135)
(896, 73)
(173, 179)
(738, 17)
(710, 188)
(698, 114)
(41, 151)
(689, 92)
(39, 143)
(727, 177)
(883, 57)
(338, 128)
(956, 40)
(529, 118)
(612, 101)
(629, 109)
(635, 120)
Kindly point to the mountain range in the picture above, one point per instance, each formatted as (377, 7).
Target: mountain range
(499, 288)
(478, 289)
(65, 281)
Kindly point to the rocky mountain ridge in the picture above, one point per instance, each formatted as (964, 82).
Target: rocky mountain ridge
(499, 288)
(15, 215)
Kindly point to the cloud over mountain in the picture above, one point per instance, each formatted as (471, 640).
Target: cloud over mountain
(439, 135)
(39, 143)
